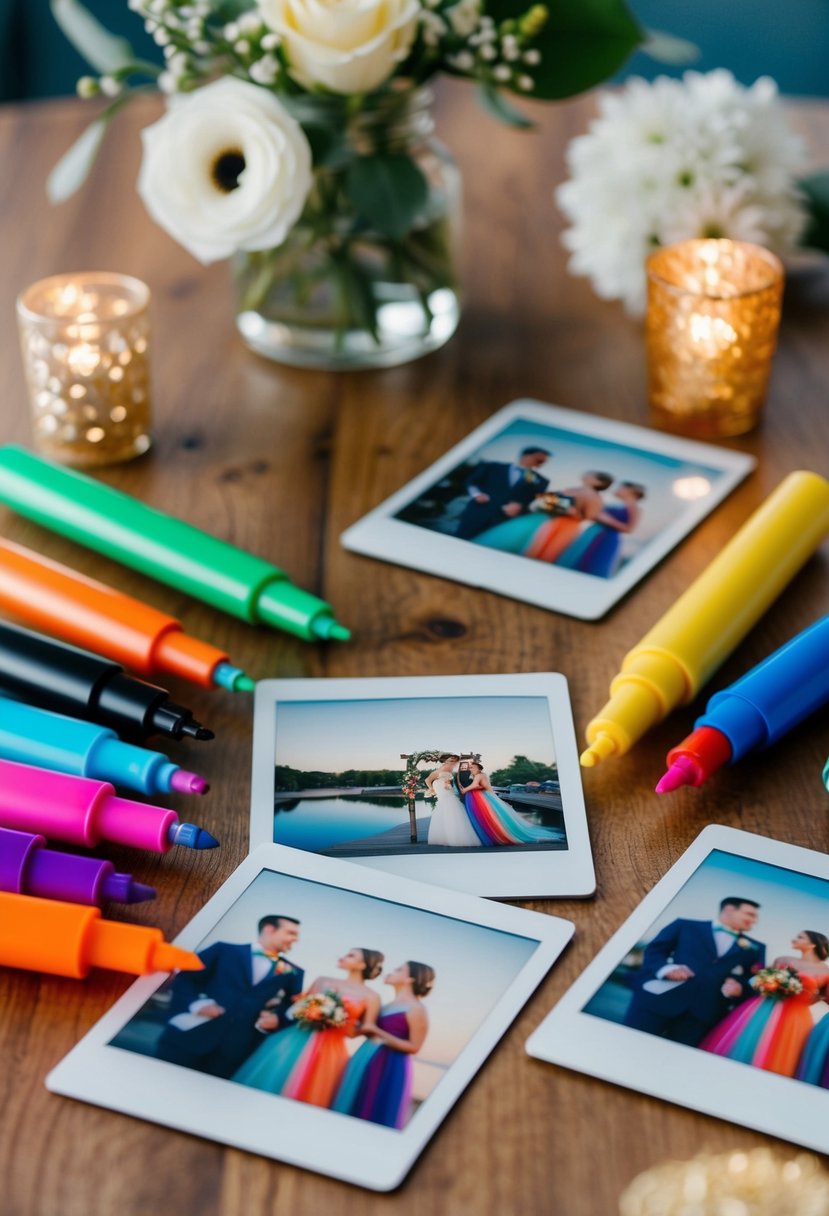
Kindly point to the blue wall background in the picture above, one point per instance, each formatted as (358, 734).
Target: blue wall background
(786, 40)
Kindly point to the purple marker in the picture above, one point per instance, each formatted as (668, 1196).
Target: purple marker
(27, 868)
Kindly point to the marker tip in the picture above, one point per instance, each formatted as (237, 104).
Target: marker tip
(190, 836)
(673, 779)
(184, 782)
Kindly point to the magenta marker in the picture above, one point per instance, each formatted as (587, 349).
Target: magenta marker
(27, 868)
(80, 811)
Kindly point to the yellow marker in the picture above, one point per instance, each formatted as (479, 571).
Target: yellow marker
(698, 633)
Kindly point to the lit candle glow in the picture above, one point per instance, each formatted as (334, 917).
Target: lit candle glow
(713, 315)
(85, 341)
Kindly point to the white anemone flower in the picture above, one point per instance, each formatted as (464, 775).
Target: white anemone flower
(701, 156)
(227, 168)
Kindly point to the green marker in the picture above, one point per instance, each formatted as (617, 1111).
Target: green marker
(161, 546)
(826, 774)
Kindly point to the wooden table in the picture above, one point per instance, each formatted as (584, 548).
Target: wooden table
(281, 461)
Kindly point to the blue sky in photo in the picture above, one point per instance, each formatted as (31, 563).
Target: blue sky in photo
(336, 735)
(789, 901)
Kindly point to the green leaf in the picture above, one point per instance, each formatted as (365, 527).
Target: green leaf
(494, 101)
(816, 191)
(388, 190)
(72, 170)
(329, 148)
(666, 48)
(583, 43)
(104, 51)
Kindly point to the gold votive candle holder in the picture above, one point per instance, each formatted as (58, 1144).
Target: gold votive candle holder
(711, 330)
(85, 340)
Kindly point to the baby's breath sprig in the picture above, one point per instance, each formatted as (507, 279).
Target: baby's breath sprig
(197, 47)
(459, 37)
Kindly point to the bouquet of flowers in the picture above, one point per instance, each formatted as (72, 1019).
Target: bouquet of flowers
(703, 156)
(296, 137)
(553, 503)
(320, 1010)
(779, 982)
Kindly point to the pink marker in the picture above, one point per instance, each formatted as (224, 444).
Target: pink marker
(81, 811)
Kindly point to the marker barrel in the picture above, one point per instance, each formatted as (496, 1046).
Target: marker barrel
(160, 546)
(683, 650)
(68, 939)
(28, 868)
(67, 745)
(55, 676)
(78, 810)
(87, 613)
(776, 695)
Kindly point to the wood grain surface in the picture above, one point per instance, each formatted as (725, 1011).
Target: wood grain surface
(280, 462)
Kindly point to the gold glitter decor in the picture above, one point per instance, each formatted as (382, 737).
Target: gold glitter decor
(711, 330)
(85, 342)
(757, 1183)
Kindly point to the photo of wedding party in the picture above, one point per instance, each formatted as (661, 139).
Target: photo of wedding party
(736, 966)
(580, 503)
(416, 775)
(344, 1001)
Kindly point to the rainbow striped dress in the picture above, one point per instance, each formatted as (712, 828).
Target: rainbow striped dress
(377, 1082)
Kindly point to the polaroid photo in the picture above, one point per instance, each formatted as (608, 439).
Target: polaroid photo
(715, 993)
(339, 1016)
(470, 782)
(562, 509)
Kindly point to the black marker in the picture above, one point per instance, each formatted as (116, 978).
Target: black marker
(55, 676)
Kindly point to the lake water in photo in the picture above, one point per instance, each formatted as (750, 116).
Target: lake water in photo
(321, 823)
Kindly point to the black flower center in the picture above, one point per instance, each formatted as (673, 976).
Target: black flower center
(227, 168)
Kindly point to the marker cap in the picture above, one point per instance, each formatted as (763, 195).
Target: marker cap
(138, 824)
(282, 604)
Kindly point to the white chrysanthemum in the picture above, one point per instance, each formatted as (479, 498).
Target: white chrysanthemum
(226, 168)
(701, 156)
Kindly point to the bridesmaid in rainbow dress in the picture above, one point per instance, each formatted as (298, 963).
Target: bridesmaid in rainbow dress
(377, 1084)
(543, 535)
(495, 822)
(814, 1062)
(769, 1031)
(598, 550)
(307, 1064)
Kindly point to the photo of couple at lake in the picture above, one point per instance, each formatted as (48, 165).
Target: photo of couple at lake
(737, 966)
(289, 1005)
(579, 503)
(417, 776)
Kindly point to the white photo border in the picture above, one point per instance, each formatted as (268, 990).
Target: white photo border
(379, 534)
(727, 1089)
(342, 1146)
(498, 872)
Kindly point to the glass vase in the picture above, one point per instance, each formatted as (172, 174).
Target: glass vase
(340, 292)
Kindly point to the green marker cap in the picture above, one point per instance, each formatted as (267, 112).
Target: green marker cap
(282, 604)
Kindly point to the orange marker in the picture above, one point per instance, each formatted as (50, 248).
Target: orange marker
(67, 939)
(92, 615)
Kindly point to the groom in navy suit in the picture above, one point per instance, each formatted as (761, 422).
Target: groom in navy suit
(695, 971)
(499, 491)
(220, 1015)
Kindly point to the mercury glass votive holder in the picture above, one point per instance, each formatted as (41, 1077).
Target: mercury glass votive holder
(711, 330)
(85, 340)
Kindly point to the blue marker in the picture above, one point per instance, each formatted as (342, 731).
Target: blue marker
(757, 710)
(67, 745)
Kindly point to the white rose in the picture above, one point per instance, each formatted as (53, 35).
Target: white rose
(347, 46)
(226, 168)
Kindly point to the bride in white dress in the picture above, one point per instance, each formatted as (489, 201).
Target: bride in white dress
(450, 823)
